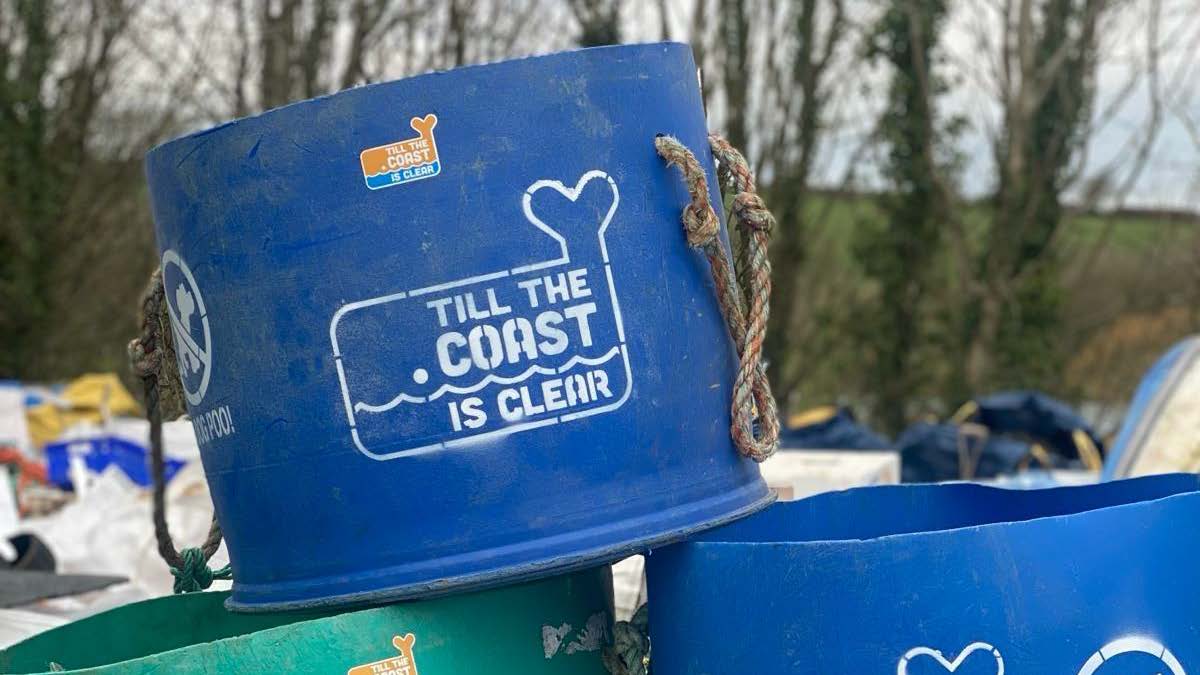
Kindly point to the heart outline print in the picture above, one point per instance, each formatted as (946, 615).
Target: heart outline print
(950, 666)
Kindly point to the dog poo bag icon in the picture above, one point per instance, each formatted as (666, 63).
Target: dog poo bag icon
(189, 326)
(495, 352)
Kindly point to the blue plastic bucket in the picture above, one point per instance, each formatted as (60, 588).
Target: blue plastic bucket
(917, 580)
(446, 332)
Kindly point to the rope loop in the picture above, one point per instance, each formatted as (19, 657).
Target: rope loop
(195, 574)
(700, 222)
(745, 305)
(751, 211)
(152, 359)
(142, 362)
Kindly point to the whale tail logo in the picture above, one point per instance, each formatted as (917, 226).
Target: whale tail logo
(424, 126)
(403, 161)
(497, 352)
(402, 664)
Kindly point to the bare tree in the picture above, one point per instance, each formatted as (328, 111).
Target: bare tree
(599, 22)
(67, 177)
(804, 111)
(736, 60)
(1045, 67)
(898, 253)
(58, 65)
(291, 44)
(260, 54)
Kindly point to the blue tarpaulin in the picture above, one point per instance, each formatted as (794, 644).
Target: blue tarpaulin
(938, 452)
(839, 431)
(98, 454)
(1037, 416)
(994, 435)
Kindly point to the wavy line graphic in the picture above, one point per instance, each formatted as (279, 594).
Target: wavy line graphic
(400, 398)
(575, 360)
(492, 378)
(398, 169)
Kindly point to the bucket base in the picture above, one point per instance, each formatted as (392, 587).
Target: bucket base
(509, 564)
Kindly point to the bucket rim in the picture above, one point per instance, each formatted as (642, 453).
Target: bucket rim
(1174, 490)
(185, 603)
(271, 113)
(192, 605)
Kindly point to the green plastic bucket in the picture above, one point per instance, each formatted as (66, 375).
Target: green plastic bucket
(554, 626)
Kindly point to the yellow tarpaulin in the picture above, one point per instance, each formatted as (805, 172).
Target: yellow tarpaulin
(88, 398)
(811, 416)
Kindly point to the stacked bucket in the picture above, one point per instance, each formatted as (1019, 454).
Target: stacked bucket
(438, 336)
(448, 354)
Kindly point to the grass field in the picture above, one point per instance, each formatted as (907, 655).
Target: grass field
(1130, 281)
(835, 217)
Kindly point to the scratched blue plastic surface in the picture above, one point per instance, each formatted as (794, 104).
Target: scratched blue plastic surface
(343, 306)
(923, 580)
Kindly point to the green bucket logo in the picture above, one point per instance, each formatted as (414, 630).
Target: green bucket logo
(404, 664)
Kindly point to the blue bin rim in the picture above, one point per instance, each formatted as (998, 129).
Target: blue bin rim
(783, 517)
(428, 76)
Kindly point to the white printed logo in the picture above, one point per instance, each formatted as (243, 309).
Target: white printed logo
(950, 666)
(1132, 644)
(189, 326)
(537, 344)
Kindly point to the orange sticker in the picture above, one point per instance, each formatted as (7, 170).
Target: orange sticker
(403, 161)
(404, 664)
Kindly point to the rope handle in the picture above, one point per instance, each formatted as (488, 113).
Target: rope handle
(152, 358)
(746, 305)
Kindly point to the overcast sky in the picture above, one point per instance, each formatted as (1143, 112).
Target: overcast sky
(1171, 174)
(1170, 179)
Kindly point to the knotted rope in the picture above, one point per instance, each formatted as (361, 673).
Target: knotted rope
(745, 305)
(152, 357)
(630, 651)
(195, 574)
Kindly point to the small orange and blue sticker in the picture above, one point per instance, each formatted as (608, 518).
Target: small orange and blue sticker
(402, 664)
(403, 161)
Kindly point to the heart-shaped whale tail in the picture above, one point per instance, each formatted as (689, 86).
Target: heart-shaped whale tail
(424, 125)
(575, 215)
(950, 666)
